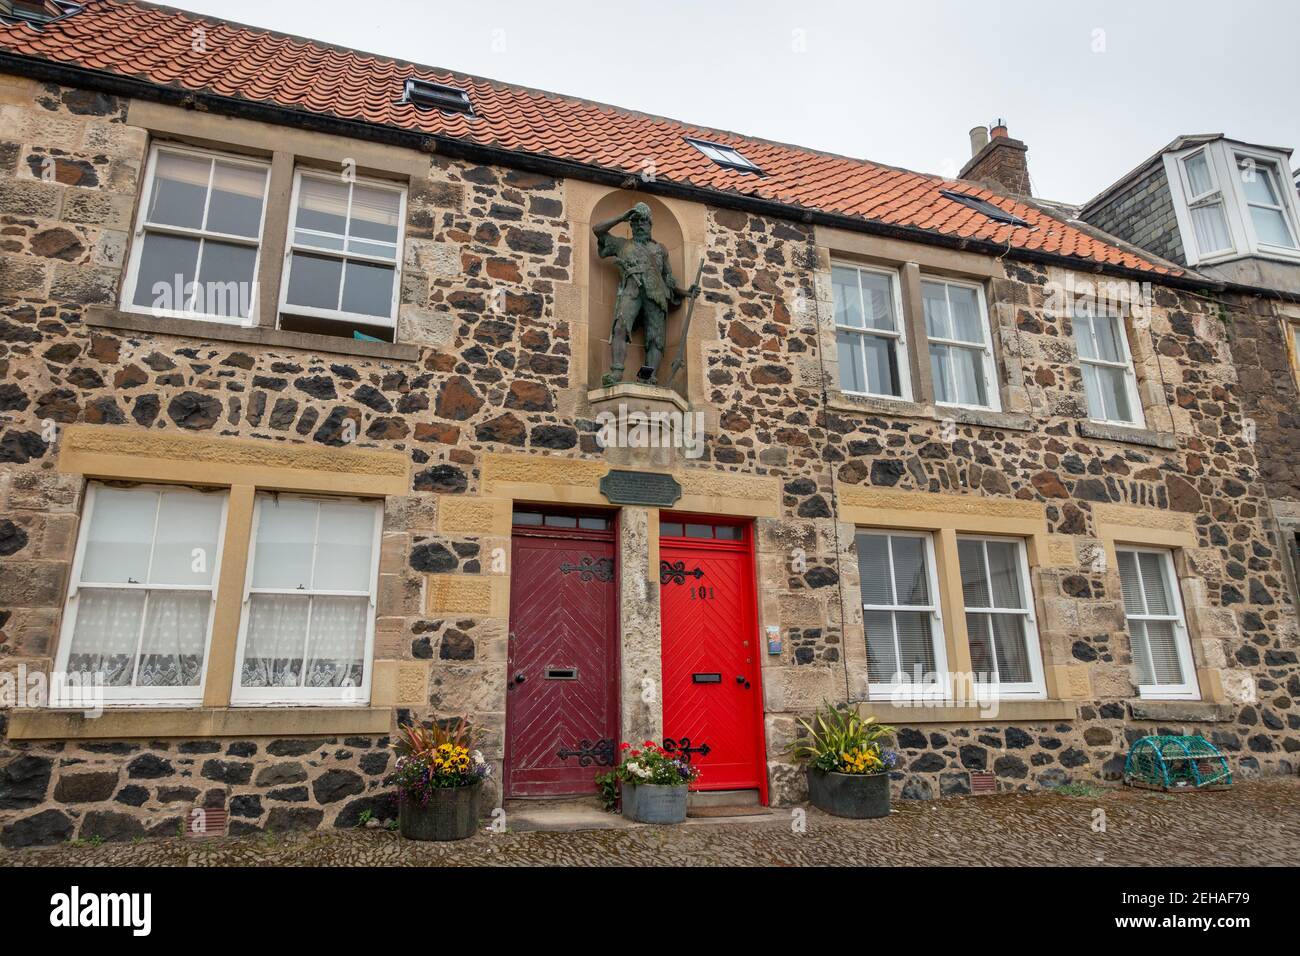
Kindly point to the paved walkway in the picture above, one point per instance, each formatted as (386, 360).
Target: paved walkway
(1257, 824)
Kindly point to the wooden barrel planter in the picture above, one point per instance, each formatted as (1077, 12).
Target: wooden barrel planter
(654, 803)
(855, 795)
(451, 814)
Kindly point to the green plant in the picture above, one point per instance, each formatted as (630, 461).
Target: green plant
(90, 841)
(649, 764)
(364, 817)
(607, 785)
(435, 757)
(1078, 790)
(838, 740)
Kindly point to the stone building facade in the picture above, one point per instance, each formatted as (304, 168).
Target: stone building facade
(486, 409)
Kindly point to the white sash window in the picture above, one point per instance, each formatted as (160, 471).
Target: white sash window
(960, 343)
(900, 613)
(1000, 625)
(870, 342)
(1162, 653)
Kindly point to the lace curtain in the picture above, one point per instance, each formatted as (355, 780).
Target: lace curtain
(278, 640)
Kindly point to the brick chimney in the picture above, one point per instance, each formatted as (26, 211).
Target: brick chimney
(997, 161)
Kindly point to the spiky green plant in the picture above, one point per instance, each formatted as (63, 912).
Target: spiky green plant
(835, 732)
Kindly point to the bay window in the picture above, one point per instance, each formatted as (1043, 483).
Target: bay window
(961, 349)
(1157, 629)
(869, 336)
(198, 235)
(342, 271)
(139, 609)
(307, 628)
(1000, 623)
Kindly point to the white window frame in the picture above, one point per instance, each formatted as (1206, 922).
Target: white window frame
(1035, 688)
(132, 696)
(1268, 165)
(899, 335)
(1190, 688)
(312, 696)
(1126, 366)
(127, 302)
(991, 386)
(910, 690)
(1222, 157)
(292, 246)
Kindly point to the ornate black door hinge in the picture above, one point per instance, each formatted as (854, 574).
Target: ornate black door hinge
(684, 748)
(676, 573)
(601, 752)
(602, 569)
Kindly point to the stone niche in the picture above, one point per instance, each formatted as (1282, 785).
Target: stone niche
(603, 285)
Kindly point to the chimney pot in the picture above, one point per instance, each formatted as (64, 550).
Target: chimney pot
(999, 131)
(979, 138)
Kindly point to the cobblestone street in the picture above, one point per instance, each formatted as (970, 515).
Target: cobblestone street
(1257, 823)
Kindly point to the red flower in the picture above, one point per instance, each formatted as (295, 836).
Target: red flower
(636, 753)
(624, 746)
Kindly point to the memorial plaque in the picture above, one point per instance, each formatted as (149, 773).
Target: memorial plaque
(640, 488)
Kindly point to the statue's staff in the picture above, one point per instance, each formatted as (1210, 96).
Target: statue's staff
(686, 327)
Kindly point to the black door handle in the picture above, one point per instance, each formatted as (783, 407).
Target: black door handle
(520, 678)
(740, 679)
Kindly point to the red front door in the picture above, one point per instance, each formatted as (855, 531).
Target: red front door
(562, 681)
(712, 696)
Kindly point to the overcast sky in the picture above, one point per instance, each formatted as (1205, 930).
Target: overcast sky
(1092, 86)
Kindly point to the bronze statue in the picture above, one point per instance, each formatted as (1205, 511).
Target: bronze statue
(646, 290)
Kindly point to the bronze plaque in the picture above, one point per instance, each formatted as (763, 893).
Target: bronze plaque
(640, 488)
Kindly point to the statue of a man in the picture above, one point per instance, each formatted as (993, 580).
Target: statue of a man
(646, 289)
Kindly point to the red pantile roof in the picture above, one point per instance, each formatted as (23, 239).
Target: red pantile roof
(161, 45)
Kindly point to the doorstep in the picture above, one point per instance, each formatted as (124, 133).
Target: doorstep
(561, 815)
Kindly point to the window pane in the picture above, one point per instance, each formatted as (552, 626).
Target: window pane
(911, 585)
(1198, 174)
(1141, 652)
(1114, 394)
(1004, 574)
(1128, 579)
(878, 298)
(1211, 228)
(304, 238)
(345, 548)
(670, 529)
(873, 569)
(849, 350)
(374, 213)
(226, 280)
(882, 365)
(597, 524)
(1257, 182)
(106, 634)
(981, 647)
(974, 577)
(189, 525)
(120, 536)
(1092, 389)
(530, 518)
(1270, 227)
(1083, 335)
(727, 532)
(322, 205)
(277, 630)
(377, 249)
(561, 521)
(699, 531)
(945, 390)
(1153, 583)
(967, 322)
(915, 644)
(286, 530)
(368, 289)
(1108, 341)
(314, 281)
(882, 662)
(180, 190)
(1163, 648)
(175, 637)
(236, 206)
(848, 301)
(968, 372)
(167, 267)
(336, 651)
(934, 297)
(1013, 656)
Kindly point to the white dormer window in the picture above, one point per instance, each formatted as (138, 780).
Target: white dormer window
(1232, 200)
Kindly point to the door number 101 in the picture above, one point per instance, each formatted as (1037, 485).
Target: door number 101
(702, 593)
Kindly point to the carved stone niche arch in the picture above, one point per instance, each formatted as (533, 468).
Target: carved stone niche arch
(603, 285)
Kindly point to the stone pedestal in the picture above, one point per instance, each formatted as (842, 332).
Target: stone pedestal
(640, 663)
(646, 426)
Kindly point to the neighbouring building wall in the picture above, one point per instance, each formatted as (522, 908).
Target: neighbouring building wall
(1141, 213)
(486, 401)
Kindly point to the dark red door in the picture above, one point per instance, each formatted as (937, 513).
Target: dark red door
(712, 696)
(562, 690)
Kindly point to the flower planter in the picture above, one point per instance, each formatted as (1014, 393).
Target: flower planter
(859, 796)
(450, 814)
(654, 803)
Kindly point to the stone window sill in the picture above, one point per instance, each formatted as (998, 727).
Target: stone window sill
(256, 335)
(1130, 435)
(898, 408)
(129, 723)
(1005, 710)
(1180, 711)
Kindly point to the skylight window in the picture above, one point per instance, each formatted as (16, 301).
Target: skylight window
(449, 99)
(986, 208)
(725, 156)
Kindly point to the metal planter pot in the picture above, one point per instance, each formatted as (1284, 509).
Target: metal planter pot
(859, 796)
(653, 803)
(450, 814)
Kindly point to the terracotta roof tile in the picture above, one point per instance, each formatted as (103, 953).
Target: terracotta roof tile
(161, 45)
